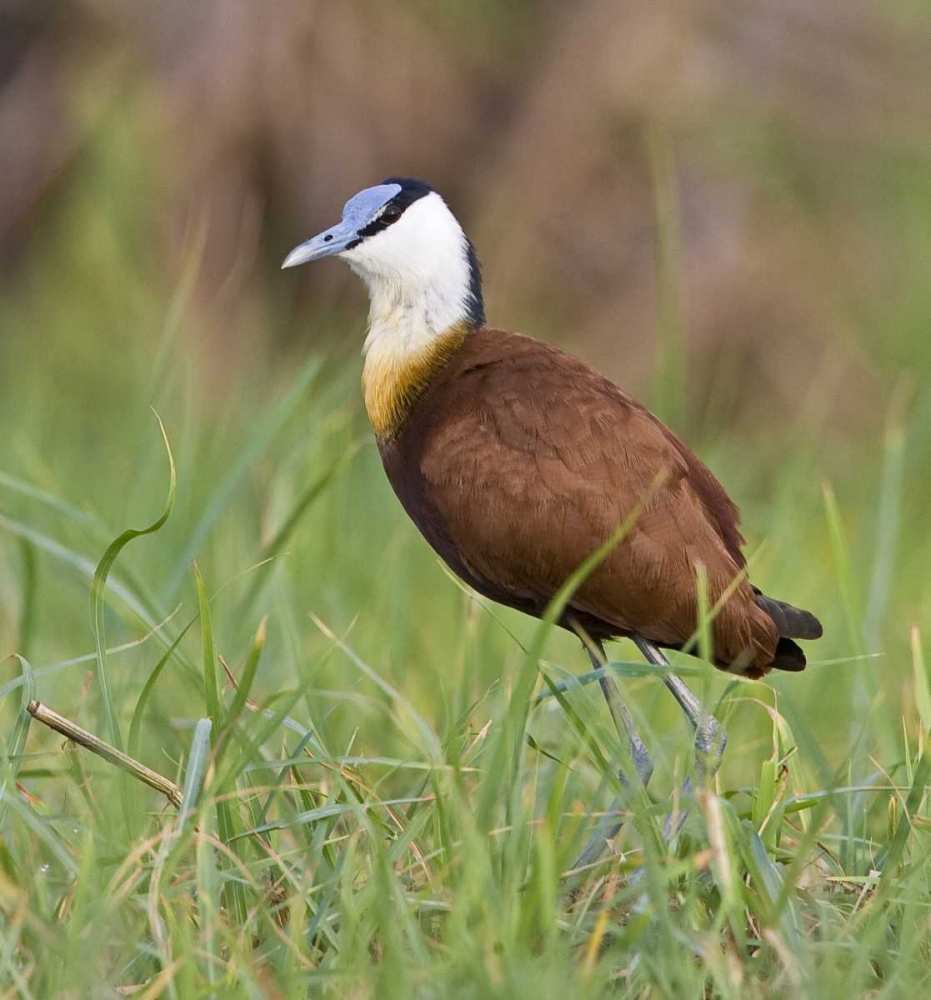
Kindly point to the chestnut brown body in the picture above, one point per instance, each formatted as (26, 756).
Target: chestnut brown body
(517, 461)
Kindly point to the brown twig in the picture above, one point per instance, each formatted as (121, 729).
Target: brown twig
(49, 717)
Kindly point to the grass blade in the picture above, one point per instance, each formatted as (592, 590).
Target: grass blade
(135, 724)
(843, 568)
(249, 671)
(227, 812)
(42, 828)
(194, 772)
(16, 746)
(922, 689)
(888, 863)
(211, 669)
(100, 582)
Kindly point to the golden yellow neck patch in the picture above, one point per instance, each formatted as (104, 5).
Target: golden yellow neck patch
(392, 381)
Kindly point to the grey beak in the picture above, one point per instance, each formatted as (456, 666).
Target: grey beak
(326, 244)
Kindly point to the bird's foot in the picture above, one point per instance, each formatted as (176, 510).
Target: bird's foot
(710, 744)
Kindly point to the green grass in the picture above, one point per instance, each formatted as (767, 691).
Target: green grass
(384, 808)
(387, 800)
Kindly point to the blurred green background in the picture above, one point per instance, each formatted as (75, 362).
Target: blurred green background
(726, 209)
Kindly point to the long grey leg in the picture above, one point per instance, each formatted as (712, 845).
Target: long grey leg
(710, 743)
(621, 716)
(710, 737)
(611, 823)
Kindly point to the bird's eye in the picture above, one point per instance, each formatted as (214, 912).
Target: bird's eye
(391, 214)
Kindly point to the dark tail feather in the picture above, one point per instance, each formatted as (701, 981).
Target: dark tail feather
(789, 656)
(791, 623)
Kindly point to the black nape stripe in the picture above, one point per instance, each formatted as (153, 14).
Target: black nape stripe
(476, 301)
(411, 189)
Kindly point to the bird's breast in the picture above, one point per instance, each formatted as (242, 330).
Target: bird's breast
(397, 371)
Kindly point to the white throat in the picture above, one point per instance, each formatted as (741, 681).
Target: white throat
(419, 279)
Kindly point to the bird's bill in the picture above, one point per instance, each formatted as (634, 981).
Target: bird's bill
(326, 244)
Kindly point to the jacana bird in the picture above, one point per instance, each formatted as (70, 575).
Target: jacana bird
(517, 461)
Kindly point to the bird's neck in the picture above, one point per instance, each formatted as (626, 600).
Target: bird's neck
(402, 357)
(414, 328)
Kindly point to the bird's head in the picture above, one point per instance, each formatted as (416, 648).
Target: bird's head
(408, 247)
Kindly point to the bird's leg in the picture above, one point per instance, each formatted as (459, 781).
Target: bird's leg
(611, 823)
(621, 718)
(710, 737)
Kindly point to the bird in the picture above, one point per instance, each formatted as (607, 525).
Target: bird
(517, 461)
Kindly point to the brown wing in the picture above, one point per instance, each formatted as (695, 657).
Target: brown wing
(532, 460)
